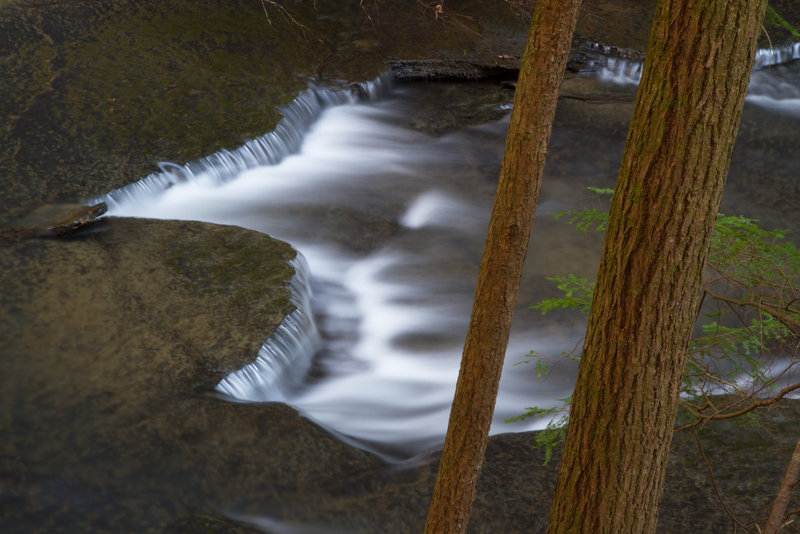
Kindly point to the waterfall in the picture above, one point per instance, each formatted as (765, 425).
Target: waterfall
(391, 220)
(774, 86)
(268, 149)
(285, 357)
(611, 64)
(283, 360)
(625, 67)
(767, 57)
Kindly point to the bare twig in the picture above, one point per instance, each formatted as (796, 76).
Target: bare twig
(730, 415)
(714, 483)
(367, 13)
(775, 311)
(440, 12)
(266, 13)
(288, 16)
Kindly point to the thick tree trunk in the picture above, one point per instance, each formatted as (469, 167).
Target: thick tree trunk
(504, 254)
(667, 195)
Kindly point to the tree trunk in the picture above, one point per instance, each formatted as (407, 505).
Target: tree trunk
(667, 195)
(790, 479)
(507, 240)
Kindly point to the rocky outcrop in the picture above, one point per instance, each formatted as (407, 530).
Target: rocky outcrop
(112, 341)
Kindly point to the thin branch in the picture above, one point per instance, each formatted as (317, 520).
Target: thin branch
(288, 16)
(367, 13)
(440, 12)
(266, 14)
(730, 415)
(714, 482)
(788, 321)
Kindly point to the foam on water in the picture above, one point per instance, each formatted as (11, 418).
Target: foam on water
(438, 208)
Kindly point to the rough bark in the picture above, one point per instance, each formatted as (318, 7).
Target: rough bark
(667, 195)
(506, 246)
(790, 480)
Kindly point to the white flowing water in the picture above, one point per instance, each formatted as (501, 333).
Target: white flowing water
(773, 84)
(391, 222)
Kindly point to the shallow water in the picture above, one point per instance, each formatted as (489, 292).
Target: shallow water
(391, 219)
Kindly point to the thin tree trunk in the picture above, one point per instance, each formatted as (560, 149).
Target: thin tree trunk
(790, 479)
(507, 240)
(665, 202)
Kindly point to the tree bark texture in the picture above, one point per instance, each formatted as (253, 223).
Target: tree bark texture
(697, 68)
(504, 253)
(790, 480)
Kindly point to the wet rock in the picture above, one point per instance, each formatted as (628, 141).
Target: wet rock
(516, 488)
(210, 294)
(54, 220)
(440, 69)
(590, 89)
(197, 523)
(111, 343)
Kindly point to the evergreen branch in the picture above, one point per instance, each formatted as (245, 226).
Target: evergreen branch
(774, 19)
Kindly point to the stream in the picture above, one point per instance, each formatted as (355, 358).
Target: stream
(387, 199)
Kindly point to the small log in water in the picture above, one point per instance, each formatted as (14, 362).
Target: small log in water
(506, 67)
(438, 69)
(54, 220)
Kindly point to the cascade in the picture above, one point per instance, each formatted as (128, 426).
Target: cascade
(623, 67)
(268, 149)
(283, 360)
(391, 220)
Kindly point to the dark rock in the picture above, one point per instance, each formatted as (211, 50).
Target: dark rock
(439, 69)
(111, 344)
(504, 67)
(54, 220)
(206, 523)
